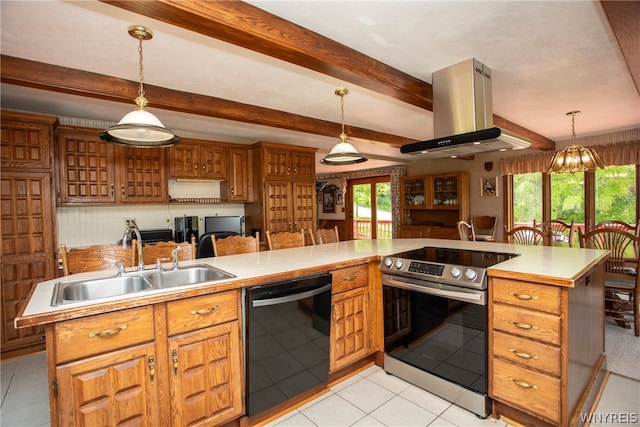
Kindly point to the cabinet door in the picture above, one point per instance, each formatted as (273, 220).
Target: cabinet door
(409, 232)
(303, 165)
(277, 206)
(304, 205)
(206, 376)
(183, 161)
(25, 143)
(27, 248)
(86, 169)
(212, 162)
(349, 328)
(277, 162)
(116, 388)
(239, 175)
(142, 175)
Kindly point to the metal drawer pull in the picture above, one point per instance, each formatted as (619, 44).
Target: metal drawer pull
(523, 355)
(174, 357)
(350, 278)
(523, 384)
(204, 310)
(523, 325)
(152, 368)
(107, 332)
(523, 296)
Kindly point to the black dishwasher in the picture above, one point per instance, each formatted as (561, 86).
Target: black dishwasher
(286, 339)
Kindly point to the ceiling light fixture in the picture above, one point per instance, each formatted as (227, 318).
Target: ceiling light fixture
(140, 128)
(343, 153)
(575, 158)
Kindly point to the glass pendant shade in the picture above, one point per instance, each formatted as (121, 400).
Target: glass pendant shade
(575, 158)
(343, 153)
(140, 128)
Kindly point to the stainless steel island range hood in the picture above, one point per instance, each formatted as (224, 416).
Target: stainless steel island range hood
(463, 115)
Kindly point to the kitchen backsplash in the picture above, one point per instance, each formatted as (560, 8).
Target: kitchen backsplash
(90, 225)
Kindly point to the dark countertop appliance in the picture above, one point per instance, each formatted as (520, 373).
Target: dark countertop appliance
(436, 319)
(186, 227)
(224, 224)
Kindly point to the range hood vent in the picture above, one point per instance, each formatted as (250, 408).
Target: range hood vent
(463, 115)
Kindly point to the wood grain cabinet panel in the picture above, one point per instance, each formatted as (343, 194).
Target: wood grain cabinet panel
(239, 184)
(199, 312)
(527, 295)
(350, 335)
(198, 160)
(27, 222)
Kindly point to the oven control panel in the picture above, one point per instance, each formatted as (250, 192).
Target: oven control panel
(454, 274)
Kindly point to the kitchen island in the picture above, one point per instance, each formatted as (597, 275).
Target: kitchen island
(163, 330)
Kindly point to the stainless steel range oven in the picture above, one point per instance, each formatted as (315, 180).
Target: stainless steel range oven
(435, 322)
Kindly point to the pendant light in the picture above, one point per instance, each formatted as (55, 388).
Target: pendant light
(140, 128)
(575, 158)
(343, 153)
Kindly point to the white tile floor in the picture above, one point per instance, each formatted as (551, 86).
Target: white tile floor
(369, 398)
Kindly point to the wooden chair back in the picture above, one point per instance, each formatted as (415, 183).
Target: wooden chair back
(285, 239)
(527, 236)
(465, 230)
(162, 250)
(621, 225)
(233, 245)
(324, 235)
(621, 273)
(484, 227)
(95, 258)
(560, 232)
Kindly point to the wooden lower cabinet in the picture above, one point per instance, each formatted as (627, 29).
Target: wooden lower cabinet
(350, 320)
(419, 231)
(545, 348)
(177, 363)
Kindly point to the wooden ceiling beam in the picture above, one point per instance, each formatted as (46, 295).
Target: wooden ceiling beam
(252, 28)
(55, 78)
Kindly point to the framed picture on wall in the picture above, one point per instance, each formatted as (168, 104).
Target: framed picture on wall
(339, 198)
(489, 186)
(329, 201)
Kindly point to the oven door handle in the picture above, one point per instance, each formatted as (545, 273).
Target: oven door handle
(457, 295)
(289, 298)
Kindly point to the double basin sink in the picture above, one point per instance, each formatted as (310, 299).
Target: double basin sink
(134, 282)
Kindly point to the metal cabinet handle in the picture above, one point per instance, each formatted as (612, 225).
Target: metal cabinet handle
(523, 355)
(204, 310)
(122, 190)
(524, 297)
(107, 332)
(204, 167)
(523, 384)
(112, 189)
(350, 278)
(174, 357)
(523, 325)
(152, 368)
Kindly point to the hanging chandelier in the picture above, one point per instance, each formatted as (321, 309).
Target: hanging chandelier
(575, 158)
(343, 153)
(140, 128)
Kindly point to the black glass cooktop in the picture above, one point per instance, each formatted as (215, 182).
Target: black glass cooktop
(468, 258)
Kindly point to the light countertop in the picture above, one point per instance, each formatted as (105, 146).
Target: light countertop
(552, 265)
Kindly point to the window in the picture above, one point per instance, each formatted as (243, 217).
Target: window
(371, 208)
(616, 194)
(527, 198)
(567, 197)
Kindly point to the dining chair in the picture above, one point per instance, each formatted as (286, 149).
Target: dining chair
(526, 235)
(466, 232)
(285, 239)
(151, 253)
(327, 235)
(558, 231)
(484, 227)
(96, 257)
(614, 223)
(234, 245)
(621, 279)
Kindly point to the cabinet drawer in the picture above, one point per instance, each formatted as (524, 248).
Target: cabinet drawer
(527, 323)
(528, 295)
(534, 393)
(350, 278)
(199, 312)
(103, 332)
(530, 354)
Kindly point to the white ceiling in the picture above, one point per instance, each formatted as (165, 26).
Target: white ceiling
(547, 58)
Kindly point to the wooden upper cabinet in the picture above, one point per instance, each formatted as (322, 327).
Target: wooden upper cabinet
(91, 171)
(198, 160)
(26, 140)
(292, 163)
(239, 184)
